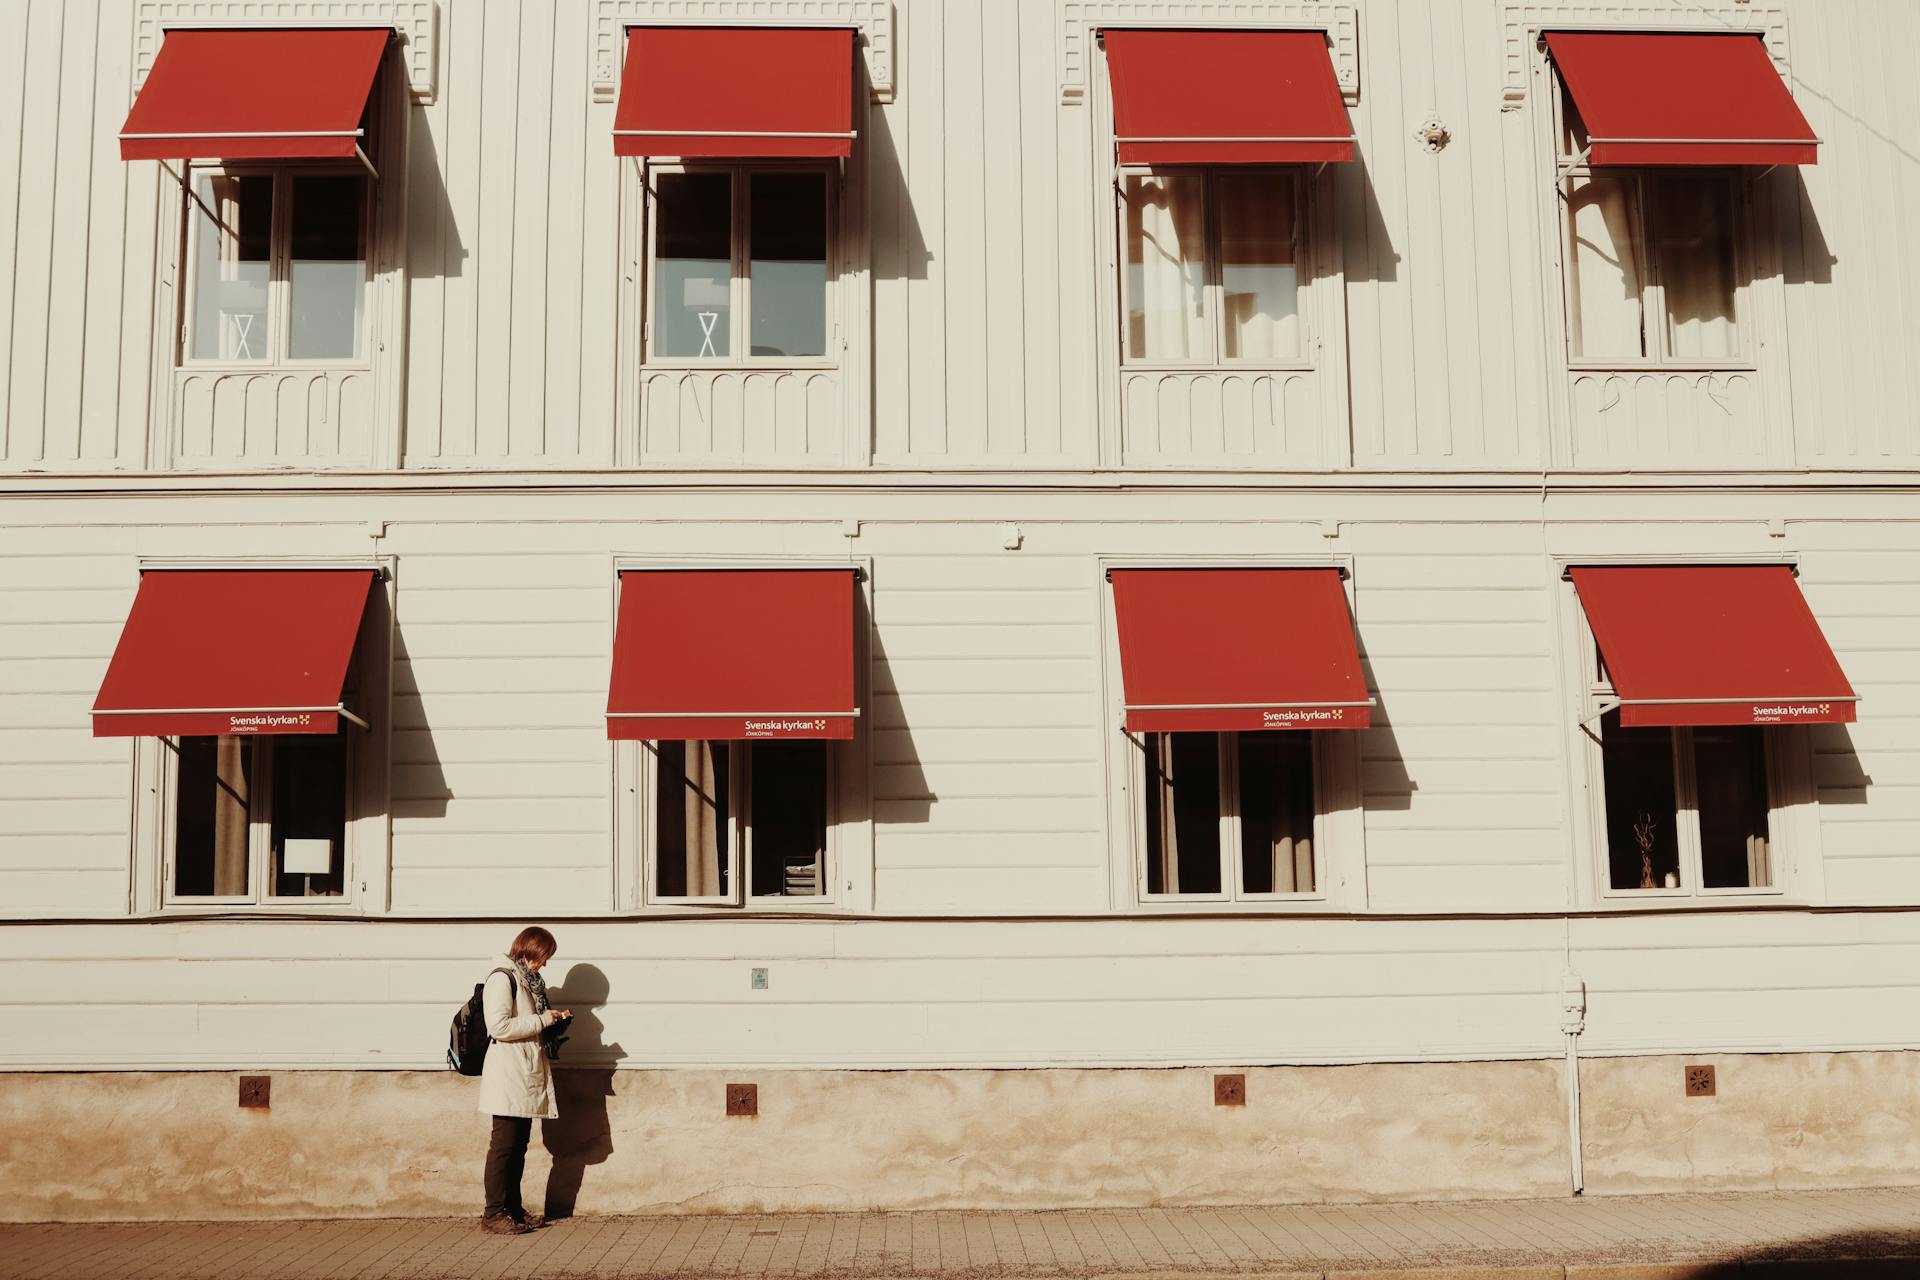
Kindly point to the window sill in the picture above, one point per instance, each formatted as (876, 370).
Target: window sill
(1164, 367)
(1690, 366)
(739, 366)
(232, 368)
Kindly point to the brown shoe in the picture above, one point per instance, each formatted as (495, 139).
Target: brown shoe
(531, 1221)
(499, 1224)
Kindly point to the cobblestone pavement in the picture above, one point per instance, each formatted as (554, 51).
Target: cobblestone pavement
(1873, 1232)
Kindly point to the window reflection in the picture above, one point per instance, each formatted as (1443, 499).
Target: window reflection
(232, 229)
(693, 265)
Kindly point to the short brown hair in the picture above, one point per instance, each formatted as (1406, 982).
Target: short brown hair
(534, 943)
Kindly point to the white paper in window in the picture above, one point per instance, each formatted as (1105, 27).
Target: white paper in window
(305, 857)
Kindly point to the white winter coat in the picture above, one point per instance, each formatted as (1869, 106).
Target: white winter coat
(515, 1079)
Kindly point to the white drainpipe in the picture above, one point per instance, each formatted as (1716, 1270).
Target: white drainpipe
(1573, 1020)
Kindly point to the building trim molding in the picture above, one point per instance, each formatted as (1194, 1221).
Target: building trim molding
(873, 19)
(1080, 20)
(417, 23)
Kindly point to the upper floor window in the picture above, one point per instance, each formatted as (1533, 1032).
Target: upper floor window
(741, 265)
(1210, 270)
(277, 266)
(1656, 138)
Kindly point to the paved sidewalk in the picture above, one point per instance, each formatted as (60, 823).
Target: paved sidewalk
(1669, 1237)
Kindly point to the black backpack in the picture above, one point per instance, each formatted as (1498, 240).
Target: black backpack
(467, 1039)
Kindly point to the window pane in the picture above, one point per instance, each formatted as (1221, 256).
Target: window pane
(691, 836)
(1276, 812)
(309, 809)
(789, 818)
(1643, 851)
(1730, 788)
(212, 801)
(1604, 282)
(328, 259)
(1259, 289)
(1166, 267)
(787, 229)
(232, 229)
(693, 265)
(1690, 217)
(1183, 812)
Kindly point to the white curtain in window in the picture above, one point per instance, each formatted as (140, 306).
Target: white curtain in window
(1166, 267)
(1604, 277)
(1259, 286)
(1692, 220)
(706, 832)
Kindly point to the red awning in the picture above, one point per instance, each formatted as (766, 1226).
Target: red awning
(1226, 97)
(1712, 644)
(736, 91)
(213, 651)
(733, 653)
(282, 93)
(1221, 649)
(1650, 99)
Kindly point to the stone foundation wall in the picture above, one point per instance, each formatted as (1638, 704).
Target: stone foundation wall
(79, 1146)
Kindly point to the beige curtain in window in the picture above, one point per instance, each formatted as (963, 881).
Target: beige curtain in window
(705, 847)
(231, 800)
(1164, 839)
(1604, 279)
(1166, 267)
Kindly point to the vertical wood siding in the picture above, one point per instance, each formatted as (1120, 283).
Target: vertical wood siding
(985, 315)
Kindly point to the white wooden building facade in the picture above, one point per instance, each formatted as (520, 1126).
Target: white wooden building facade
(992, 412)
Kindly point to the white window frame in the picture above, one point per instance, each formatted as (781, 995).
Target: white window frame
(739, 837)
(1213, 291)
(1568, 166)
(1339, 826)
(847, 873)
(1793, 832)
(1233, 870)
(740, 306)
(259, 830)
(279, 271)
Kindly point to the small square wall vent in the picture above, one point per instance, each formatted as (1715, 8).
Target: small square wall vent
(743, 1099)
(1700, 1082)
(256, 1091)
(1230, 1091)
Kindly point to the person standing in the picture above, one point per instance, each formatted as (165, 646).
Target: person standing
(516, 1084)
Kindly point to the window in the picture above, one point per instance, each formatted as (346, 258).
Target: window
(740, 267)
(277, 266)
(1227, 815)
(722, 806)
(1209, 270)
(1686, 810)
(259, 819)
(1652, 261)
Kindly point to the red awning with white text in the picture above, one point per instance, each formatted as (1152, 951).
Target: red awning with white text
(1712, 645)
(1237, 649)
(219, 651)
(757, 92)
(1651, 98)
(1225, 97)
(727, 654)
(279, 93)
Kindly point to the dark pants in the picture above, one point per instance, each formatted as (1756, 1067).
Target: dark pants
(506, 1161)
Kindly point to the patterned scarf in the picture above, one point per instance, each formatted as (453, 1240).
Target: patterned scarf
(536, 986)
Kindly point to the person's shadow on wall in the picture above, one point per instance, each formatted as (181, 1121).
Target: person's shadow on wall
(582, 1082)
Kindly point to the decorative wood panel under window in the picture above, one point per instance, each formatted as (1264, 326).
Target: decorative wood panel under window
(258, 819)
(739, 821)
(1227, 816)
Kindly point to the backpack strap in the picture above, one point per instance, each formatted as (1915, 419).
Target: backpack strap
(513, 991)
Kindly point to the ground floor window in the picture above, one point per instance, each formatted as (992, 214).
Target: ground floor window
(1686, 808)
(1227, 815)
(721, 807)
(259, 818)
